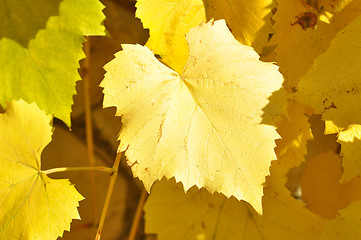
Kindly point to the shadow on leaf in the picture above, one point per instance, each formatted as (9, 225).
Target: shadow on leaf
(21, 20)
(276, 107)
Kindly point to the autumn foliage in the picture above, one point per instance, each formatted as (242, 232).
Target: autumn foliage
(242, 119)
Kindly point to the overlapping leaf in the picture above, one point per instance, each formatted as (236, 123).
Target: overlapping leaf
(284, 217)
(323, 141)
(249, 21)
(332, 86)
(321, 188)
(202, 127)
(197, 214)
(40, 46)
(346, 226)
(303, 32)
(32, 205)
(295, 132)
(327, 5)
(350, 141)
(168, 22)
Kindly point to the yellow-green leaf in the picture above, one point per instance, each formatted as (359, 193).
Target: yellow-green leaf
(172, 214)
(40, 48)
(249, 21)
(168, 22)
(32, 206)
(203, 127)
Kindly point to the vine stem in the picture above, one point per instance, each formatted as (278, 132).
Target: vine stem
(138, 215)
(89, 129)
(113, 178)
(68, 169)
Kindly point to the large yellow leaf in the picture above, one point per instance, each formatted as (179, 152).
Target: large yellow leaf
(202, 127)
(321, 188)
(32, 206)
(346, 226)
(332, 86)
(249, 21)
(168, 21)
(172, 214)
(303, 32)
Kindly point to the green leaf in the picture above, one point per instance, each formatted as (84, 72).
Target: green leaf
(40, 47)
(203, 127)
(32, 206)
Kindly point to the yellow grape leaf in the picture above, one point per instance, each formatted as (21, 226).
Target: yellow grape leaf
(33, 206)
(172, 214)
(321, 188)
(332, 86)
(203, 127)
(303, 32)
(168, 22)
(249, 21)
(346, 226)
(285, 217)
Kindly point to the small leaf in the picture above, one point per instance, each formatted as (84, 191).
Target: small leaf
(32, 205)
(204, 127)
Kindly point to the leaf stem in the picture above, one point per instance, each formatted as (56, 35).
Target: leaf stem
(89, 128)
(138, 215)
(68, 169)
(112, 180)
